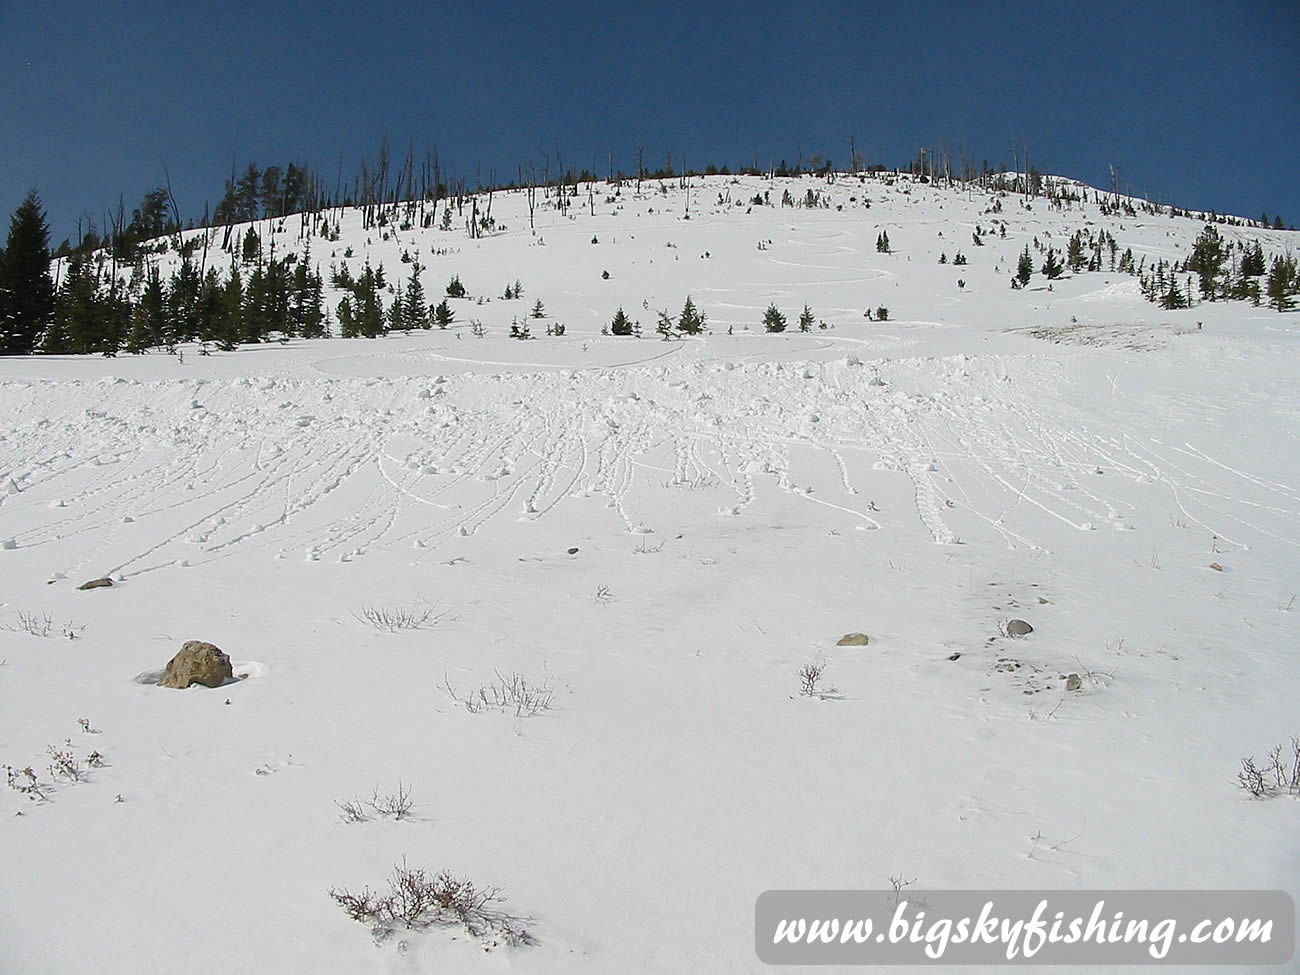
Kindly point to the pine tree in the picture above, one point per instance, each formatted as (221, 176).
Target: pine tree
(26, 289)
(183, 303)
(1173, 298)
(1252, 262)
(1283, 284)
(347, 318)
(80, 311)
(882, 243)
(255, 317)
(306, 313)
(149, 315)
(252, 246)
(443, 315)
(773, 320)
(1074, 253)
(665, 325)
(1024, 267)
(415, 307)
(691, 320)
(621, 324)
(1207, 257)
(1052, 268)
(370, 308)
(806, 320)
(539, 310)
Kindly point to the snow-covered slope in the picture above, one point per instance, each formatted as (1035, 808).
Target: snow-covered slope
(658, 535)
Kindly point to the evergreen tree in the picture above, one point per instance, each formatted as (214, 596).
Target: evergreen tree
(347, 318)
(666, 325)
(1024, 267)
(116, 318)
(79, 312)
(773, 320)
(443, 315)
(415, 307)
(209, 311)
(306, 313)
(370, 308)
(1173, 297)
(1252, 262)
(1207, 257)
(26, 289)
(806, 320)
(149, 315)
(882, 243)
(183, 303)
(246, 194)
(1052, 267)
(272, 191)
(1074, 254)
(691, 320)
(1283, 284)
(256, 319)
(621, 324)
(539, 310)
(230, 325)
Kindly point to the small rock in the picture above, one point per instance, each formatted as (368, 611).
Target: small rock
(96, 584)
(853, 640)
(573, 551)
(1042, 601)
(197, 663)
(1018, 628)
(1216, 567)
(1073, 682)
(955, 656)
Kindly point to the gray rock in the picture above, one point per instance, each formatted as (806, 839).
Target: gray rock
(96, 583)
(1073, 682)
(1018, 628)
(197, 663)
(853, 640)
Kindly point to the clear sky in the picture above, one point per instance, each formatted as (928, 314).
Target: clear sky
(1196, 102)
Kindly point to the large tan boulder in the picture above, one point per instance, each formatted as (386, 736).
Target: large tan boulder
(197, 663)
(853, 640)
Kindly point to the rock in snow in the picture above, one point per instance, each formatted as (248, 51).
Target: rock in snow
(197, 663)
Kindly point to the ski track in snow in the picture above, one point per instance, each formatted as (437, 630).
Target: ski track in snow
(334, 468)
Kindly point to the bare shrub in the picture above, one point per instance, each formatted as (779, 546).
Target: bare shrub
(514, 694)
(416, 900)
(396, 804)
(393, 620)
(24, 781)
(810, 676)
(63, 763)
(42, 625)
(1252, 779)
(352, 811)
(1279, 776)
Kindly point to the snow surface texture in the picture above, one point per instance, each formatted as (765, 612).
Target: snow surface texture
(1125, 479)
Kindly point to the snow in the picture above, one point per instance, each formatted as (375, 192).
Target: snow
(1072, 456)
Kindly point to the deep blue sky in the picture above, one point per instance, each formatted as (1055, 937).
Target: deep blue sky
(1196, 102)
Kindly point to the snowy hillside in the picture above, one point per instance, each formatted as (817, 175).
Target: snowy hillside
(646, 541)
